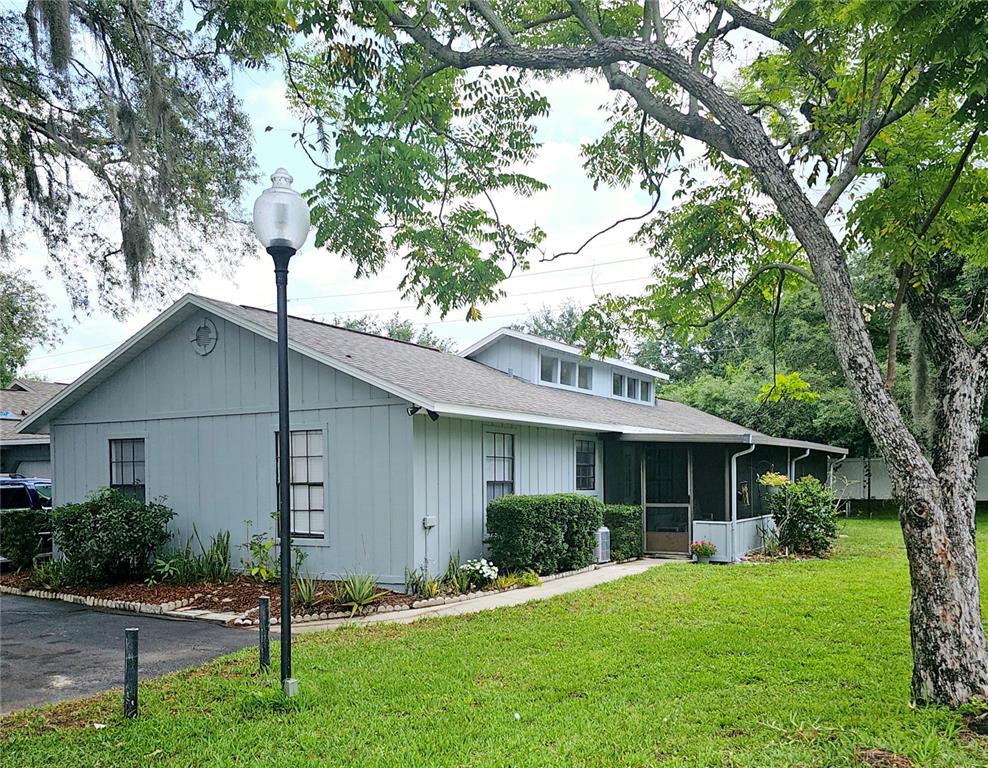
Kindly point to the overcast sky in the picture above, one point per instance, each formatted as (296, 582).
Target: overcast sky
(322, 284)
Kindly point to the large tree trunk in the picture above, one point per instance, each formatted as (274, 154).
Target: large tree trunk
(948, 638)
(937, 504)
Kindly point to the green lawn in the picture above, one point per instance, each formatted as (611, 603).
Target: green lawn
(759, 665)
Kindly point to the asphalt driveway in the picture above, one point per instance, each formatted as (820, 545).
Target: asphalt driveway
(52, 651)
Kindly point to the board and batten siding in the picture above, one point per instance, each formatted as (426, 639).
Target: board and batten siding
(209, 425)
(450, 482)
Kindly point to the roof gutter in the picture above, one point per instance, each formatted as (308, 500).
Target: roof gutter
(792, 465)
(734, 483)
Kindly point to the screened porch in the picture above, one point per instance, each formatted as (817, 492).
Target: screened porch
(701, 490)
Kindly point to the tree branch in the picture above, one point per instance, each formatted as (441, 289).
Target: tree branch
(944, 337)
(739, 293)
(868, 130)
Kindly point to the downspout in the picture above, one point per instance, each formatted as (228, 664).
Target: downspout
(792, 466)
(734, 497)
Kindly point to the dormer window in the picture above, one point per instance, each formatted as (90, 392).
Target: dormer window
(618, 385)
(550, 369)
(632, 388)
(567, 373)
(586, 377)
(646, 392)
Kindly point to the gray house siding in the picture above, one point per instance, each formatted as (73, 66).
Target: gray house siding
(450, 481)
(30, 460)
(209, 425)
(511, 355)
(523, 358)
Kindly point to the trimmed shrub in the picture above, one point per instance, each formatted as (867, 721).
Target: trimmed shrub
(625, 524)
(805, 514)
(583, 516)
(546, 534)
(109, 537)
(20, 534)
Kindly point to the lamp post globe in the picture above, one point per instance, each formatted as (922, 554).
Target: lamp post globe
(281, 217)
(281, 223)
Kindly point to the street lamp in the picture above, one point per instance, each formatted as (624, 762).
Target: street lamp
(281, 223)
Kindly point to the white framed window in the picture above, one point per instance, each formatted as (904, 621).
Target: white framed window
(549, 369)
(632, 388)
(586, 465)
(308, 501)
(585, 380)
(567, 373)
(617, 386)
(646, 392)
(499, 464)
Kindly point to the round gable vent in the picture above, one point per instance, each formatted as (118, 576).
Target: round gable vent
(204, 336)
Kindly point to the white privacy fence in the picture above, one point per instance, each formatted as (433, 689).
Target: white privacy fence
(858, 479)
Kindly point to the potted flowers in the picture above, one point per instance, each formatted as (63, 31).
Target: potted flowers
(703, 550)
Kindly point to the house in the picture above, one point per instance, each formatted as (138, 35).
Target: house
(24, 452)
(396, 448)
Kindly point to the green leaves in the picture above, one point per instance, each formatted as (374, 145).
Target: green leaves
(787, 386)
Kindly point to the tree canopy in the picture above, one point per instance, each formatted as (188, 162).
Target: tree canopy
(122, 147)
(395, 327)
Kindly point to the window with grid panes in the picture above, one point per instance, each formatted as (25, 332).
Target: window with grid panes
(307, 493)
(586, 465)
(499, 461)
(127, 466)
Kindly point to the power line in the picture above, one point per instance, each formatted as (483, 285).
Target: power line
(513, 277)
(372, 310)
(75, 351)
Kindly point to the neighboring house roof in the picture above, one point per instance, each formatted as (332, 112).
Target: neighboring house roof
(438, 381)
(511, 333)
(21, 398)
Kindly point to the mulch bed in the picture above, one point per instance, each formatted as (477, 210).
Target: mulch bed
(237, 596)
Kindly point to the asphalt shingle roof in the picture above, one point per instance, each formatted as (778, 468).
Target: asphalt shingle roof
(22, 402)
(447, 378)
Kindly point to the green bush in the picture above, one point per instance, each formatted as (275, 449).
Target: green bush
(185, 566)
(625, 524)
(110, 536)
(805, 514)
(20, 534)
(50, 575)
(546, 534)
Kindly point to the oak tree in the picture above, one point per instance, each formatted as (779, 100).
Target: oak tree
(123, 148)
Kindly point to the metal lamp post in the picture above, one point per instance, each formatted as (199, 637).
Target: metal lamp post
(281, 223)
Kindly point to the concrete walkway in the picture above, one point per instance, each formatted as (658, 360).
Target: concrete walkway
(500, 600)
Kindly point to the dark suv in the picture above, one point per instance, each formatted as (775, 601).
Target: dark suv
(19, 492)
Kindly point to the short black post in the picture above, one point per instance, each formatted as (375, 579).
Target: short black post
(130, 671)
(264, 636)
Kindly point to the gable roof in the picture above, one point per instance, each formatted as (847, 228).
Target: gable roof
(23, 397)
(438, 381)
(511, 333)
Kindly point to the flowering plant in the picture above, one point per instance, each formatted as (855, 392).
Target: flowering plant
(479, 572)
(773, 480)
(703, 548)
